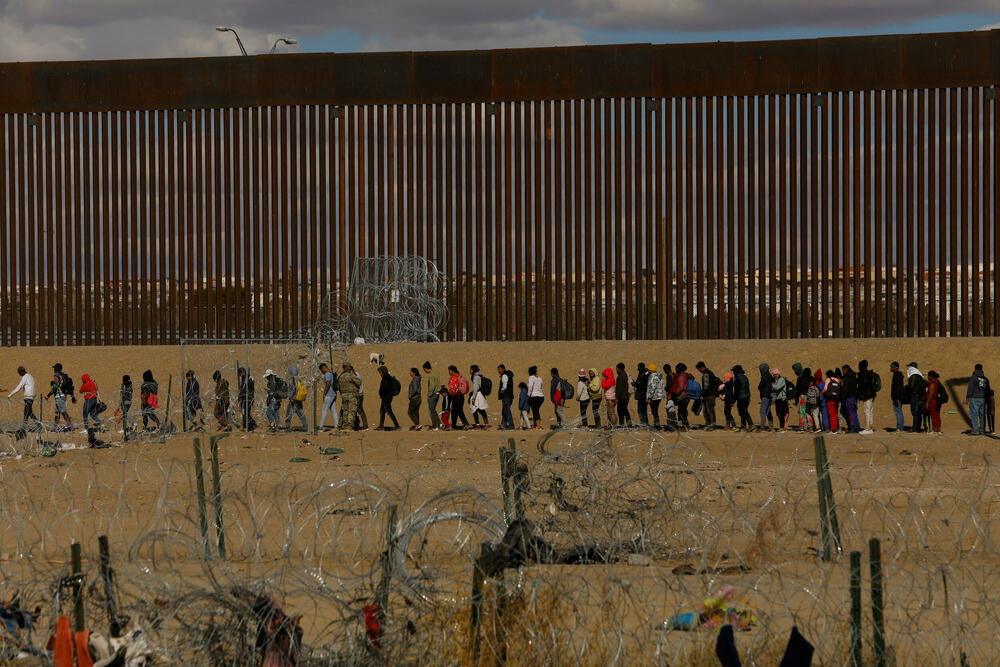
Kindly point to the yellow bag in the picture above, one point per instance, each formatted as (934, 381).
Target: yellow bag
(300, 391)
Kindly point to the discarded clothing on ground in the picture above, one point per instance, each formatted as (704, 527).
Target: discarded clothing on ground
(723, 608)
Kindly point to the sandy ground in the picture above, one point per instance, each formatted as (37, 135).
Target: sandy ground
(718, 500)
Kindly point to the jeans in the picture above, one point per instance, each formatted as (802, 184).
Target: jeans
(385, 408)
(708, 405)
(29, 410)
(743, 408)
(432, 408)
(456, 404)
(506, 418)
(897, 408)
(295, 407)
(852, 414)
(584, 404)
(595, 410)
(126, 420)
(765, 411)
(977, 413)
(654, 410)
(328, 406)
(413, 412)
(624, 416)
(560, 414)
(727, 410)
(273, 412)
(682, 410)
(90, 411)
(640, 408)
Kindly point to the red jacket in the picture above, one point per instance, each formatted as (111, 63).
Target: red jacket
(88, 388)
(680, 384)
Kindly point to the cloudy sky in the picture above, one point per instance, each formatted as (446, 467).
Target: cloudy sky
(98, 29)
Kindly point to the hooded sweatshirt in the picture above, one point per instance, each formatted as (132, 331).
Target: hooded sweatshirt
(741, 384)
(594, 385)
(608, 384)
(803, 378)
(621, 386)
(978, 385)
(88, 388)
(866, 382)
(916, 384)
(764, 386)
(850, 382)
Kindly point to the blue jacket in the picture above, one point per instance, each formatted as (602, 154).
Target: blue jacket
(522, 400)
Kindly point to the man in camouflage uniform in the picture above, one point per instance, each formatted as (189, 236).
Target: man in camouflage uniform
(350, 386)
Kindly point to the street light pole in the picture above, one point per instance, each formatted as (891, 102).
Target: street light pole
(286, 40)
(223, 28)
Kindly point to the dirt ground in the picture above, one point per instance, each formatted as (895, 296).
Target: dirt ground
(714, 509)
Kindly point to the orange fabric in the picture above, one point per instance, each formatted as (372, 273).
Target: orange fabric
(82, 650)
(64, 643)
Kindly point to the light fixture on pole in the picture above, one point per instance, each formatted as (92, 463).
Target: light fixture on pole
(223, 28)
(286, 40)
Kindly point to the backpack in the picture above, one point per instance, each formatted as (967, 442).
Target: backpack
(567, 389)
(66, 384)
(485, 385)
(942, 395)
(876, 382)
(693, 390)
(463, 385)
(832, 390)
(335, 385)
(395, 386)
(300, 390)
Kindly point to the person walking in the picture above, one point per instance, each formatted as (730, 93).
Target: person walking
(61, 389)
(536, 397)
(434, 388)
(89, 390)
(360, 416)
(641, 400)
(330, 389)
(832, 393)
(596, 394)
(523, 405)
(245, 393)
(583, 395)
(975, 398)
(779, 398)
(709, 393)
(764, 389)
(277, 389)
(728, 393)
(869, 384)
(850, 399)
(916, 390)
(611, 404)
(149, 395)
(557, 394)
(297, 393)
(936, 397)
(477, 397)
(741, 390)
(655, 393)
(897, 394)
(413, 393)
(27, 385)
(506, 395)
(813, 398)
(458, 389)
(350, 387)
(125, 403)
(623, 392)
(680, 394)
(222, 398)
(388, 389)
(193, 410)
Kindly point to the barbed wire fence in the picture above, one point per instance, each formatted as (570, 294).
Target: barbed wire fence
(602, 538)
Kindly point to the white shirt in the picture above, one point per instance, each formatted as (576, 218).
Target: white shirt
(535, 386)
(28, 384)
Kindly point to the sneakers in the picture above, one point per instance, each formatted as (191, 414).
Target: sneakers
(867, 431)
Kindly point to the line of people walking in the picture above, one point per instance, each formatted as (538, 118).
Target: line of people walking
(837, 400)
(61, 389)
